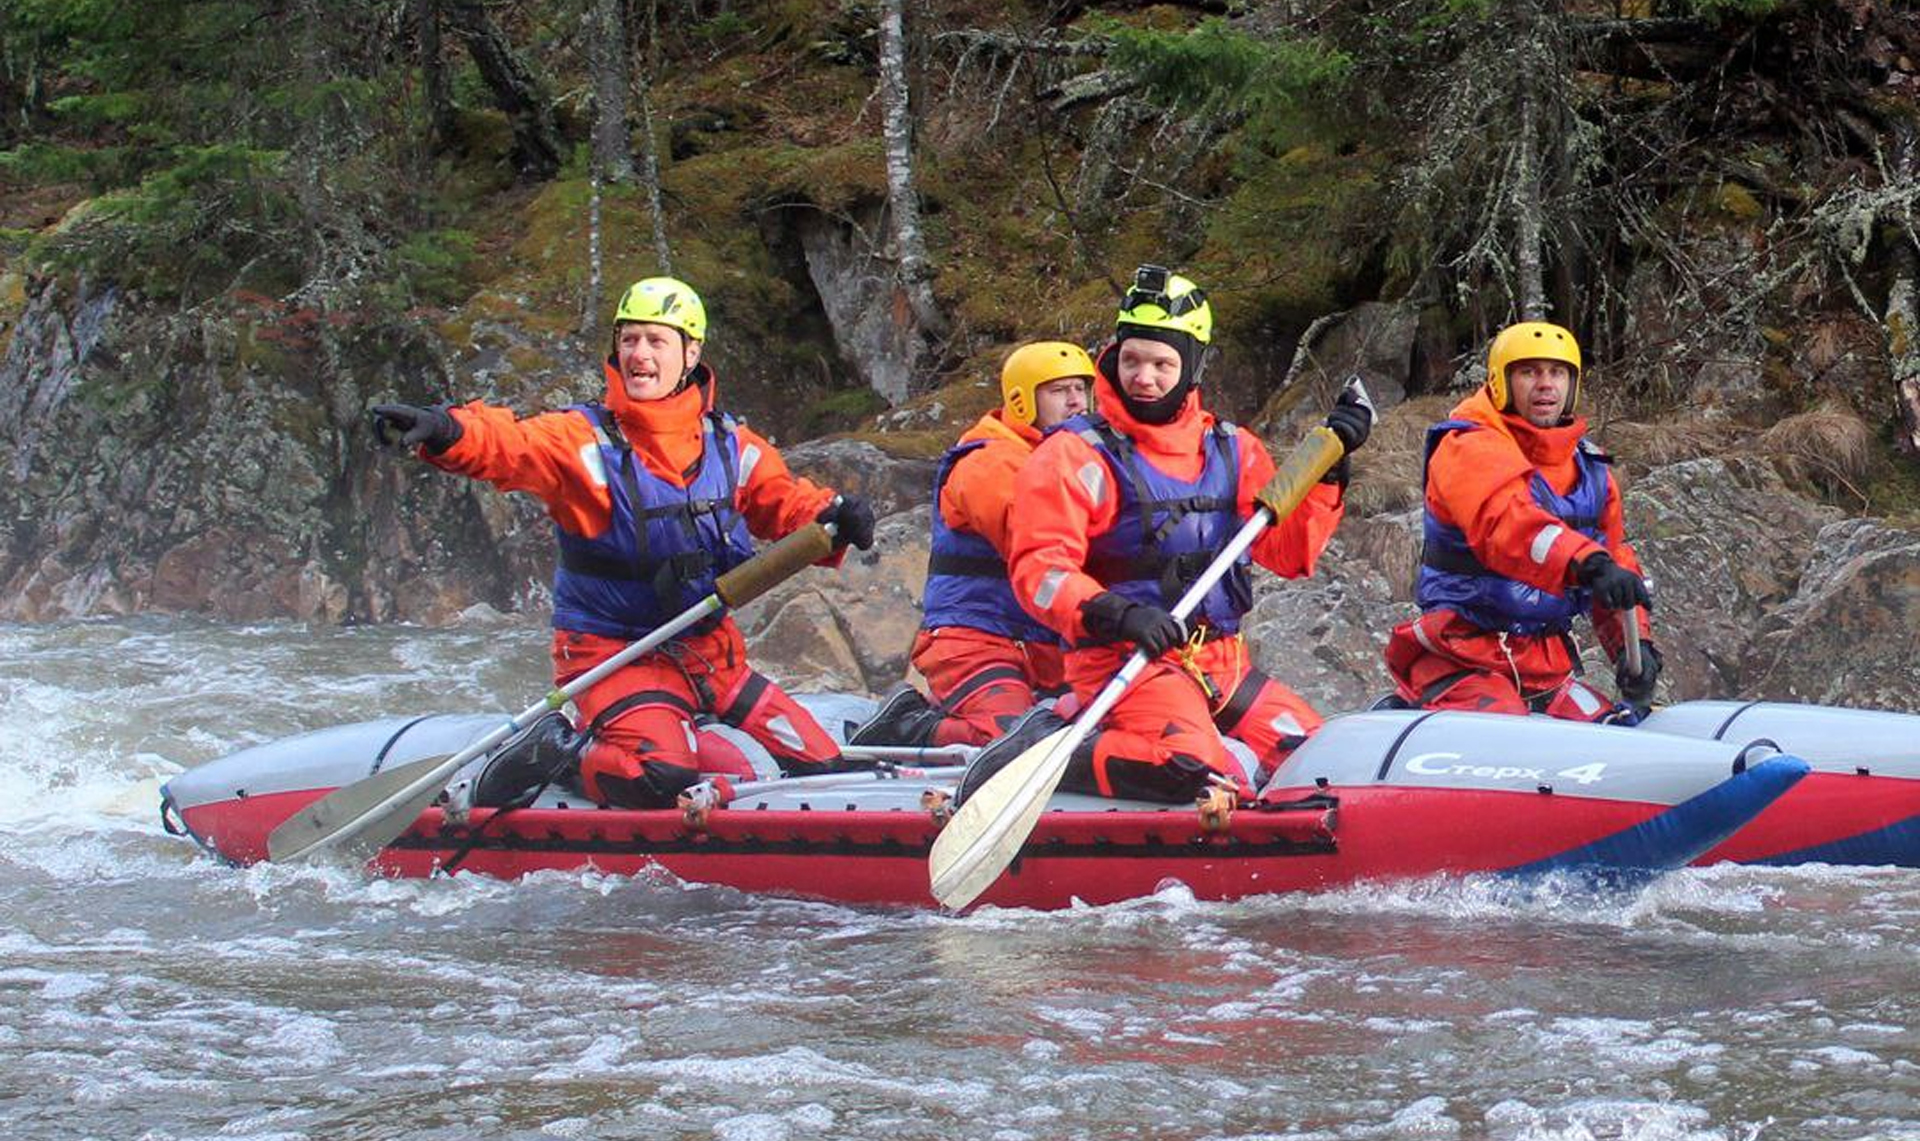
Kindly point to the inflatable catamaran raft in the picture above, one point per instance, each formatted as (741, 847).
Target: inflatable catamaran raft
(1372, 796)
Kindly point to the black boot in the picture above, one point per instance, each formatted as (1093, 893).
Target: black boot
(1034, 725)
(904, 718)
(545, 752)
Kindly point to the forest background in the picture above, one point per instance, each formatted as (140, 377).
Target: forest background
(228, 226)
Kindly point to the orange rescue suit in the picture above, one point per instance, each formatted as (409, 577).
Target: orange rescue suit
(1479, 482)
(1162, 740)
(981, 680)
(644, 748)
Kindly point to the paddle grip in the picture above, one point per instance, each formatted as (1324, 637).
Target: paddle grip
(774, 565)
(1300, 471)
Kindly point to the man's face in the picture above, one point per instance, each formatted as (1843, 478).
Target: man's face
(1059, 400)
(1539, 389)
(653, 358)
(1148, 369)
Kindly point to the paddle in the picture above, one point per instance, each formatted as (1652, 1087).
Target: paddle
(991, 824)
(375, 811)
(1630, 648)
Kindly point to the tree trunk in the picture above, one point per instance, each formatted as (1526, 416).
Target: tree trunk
(650, 149)
(590, 305)
(536, 142)
(1528, 213)
(607, 40)
(912, 273)
(434, 92)
(1902, 321)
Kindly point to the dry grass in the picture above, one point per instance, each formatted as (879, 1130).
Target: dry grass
(1641, 445)
(1829, 447)
(1386, 473)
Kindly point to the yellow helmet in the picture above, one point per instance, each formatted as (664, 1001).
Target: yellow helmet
(1161, 299)
(1531, 341)
(664, 301)
(1030, 366)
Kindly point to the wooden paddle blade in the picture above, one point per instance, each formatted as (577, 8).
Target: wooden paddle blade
(986, 833)
(373, 812)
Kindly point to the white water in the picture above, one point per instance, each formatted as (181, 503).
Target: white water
(146, 991)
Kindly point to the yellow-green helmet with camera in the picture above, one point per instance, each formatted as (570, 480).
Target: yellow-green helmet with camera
(1162, 299)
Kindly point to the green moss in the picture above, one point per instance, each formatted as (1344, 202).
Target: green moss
(1736, 201)
(1893, 491)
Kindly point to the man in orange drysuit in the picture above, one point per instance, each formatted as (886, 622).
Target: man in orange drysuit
(1523, 533)
(653, 495)
(1120, 511)
(985, 659)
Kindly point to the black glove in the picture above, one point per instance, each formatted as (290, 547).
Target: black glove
(1352, 417)
(432, 428)
(852, 519)
(1637, 689)
(1614, 586)
(1113, 618)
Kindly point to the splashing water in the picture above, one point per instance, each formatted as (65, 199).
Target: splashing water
(147, 991)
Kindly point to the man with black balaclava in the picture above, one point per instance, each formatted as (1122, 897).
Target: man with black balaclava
(1121, 509)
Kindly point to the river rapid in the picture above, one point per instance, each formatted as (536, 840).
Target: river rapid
(147, 991)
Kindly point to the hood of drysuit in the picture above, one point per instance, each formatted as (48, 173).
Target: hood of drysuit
(994, 426)
(1550, 450)
(668, 430)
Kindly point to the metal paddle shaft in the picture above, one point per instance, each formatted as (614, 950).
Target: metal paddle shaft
(1630, 638)
(923, 755)
(995, 820)
(378, 809)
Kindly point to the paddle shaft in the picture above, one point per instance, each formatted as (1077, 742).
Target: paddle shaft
(740, 585)
(1114, 690)
(1630, 638)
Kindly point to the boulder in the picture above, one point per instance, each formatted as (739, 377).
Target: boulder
(892, 484)
(1847, 636)
(1723, 542)
(848, 629)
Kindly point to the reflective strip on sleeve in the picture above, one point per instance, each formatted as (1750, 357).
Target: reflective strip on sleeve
(1543, 542)
(1093, 477)
(1049, 588)
(590, 459)
(749, 456)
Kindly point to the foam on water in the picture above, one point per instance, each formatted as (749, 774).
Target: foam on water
(147, 990)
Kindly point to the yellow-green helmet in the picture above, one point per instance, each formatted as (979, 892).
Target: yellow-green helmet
(1161, 299)
(1030, 366)
(664, 301)
(1531, 341)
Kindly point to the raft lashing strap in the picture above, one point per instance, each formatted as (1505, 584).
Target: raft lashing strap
(1740, 760)
(380, 758)
(1720, 734)
(1393, 750)
(476, 833)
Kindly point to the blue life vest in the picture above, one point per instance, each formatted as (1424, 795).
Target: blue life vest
(1168, 530)
(666, 545)
(1453, 578)
(967, 581)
